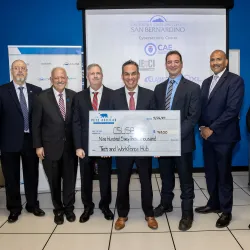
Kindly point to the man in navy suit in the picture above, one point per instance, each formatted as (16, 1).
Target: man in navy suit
(222, 96)
(96, 97)
(133, 97)
(16, 102)
(178, 93)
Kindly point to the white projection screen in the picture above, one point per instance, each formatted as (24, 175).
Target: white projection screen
(147, 35)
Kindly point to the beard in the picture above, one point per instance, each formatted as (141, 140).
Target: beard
(21, 79)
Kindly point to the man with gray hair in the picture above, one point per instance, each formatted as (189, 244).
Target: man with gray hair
(16, 100)
(95, 97)
(52, 138)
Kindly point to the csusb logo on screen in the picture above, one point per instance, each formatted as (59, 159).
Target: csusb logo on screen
(103, 118)
(151, 49)
(71, 63)
(157, 24)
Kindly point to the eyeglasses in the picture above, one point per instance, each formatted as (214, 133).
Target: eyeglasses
(19, 68)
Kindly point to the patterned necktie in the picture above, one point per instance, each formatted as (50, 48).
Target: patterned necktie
(169, 94)
(24, 108)
(95, 101)
(62, 106)
(131, 101)
(213, 83)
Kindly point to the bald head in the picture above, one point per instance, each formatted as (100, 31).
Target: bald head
(218, 61)
(59, 79)
(19, 71)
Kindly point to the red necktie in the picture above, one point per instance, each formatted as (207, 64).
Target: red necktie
(95, 101)
(131, 101)
(61, 106)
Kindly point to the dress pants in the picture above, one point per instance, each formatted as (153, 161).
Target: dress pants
(217, 162)
(11, 172)
(184, 165)
(58, 171)
(124, 170)
(104, 172)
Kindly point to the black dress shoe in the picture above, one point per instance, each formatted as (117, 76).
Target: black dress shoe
(59, 218)
(206, 210)
(36, 211)
(70, 216)
(224, 220)
(108, 215)
(88, 211)
(13, 217)
(185, 223)
(160, 210)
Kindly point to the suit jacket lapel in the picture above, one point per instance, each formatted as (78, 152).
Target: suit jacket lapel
(30, 99)
(103, 99)
(68, 104)
(54, 103)
(88, 99)
(178, 93)
(124, 99)
(218, 85)
(13, 94)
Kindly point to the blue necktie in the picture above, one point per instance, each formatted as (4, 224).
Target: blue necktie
(24, 109)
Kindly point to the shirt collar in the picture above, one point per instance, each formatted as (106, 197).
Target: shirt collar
(100, 90)
(220, 74)
(56, 93)
(177, 79)
(17, 86)
(135, 90)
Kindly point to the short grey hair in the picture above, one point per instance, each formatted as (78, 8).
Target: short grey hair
(90, 66)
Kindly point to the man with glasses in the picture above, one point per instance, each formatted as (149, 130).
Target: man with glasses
(16, 102)
(133, 97)
(53, 140)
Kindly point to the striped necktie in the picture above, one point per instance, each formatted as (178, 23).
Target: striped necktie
(62, 106)
(169, 94)
(95, 101)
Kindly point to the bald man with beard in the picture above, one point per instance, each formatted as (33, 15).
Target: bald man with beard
(52, 138)
(16, 103)
(221, 96)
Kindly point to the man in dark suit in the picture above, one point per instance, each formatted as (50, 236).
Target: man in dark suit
(96, 97)
(248, 120)
(133, 97)
(16, 102)
(178, 93)
(53, 140)
(222, 96)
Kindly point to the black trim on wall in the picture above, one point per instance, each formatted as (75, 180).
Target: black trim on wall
(127, 4)
(84, 50)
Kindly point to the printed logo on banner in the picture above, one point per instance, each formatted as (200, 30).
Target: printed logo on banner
(147, 65)
(103, 118)
(43, 78)
(157, 24)
(151, 48)
(70, 63)
(155, 79)
(46, 63)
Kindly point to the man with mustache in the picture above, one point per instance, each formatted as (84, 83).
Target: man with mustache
(16, 103)
(96, 97)
(221, 96)
(52, 138)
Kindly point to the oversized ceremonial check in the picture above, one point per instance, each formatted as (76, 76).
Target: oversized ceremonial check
(134, 133)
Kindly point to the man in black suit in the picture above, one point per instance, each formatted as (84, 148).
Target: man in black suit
(16, 102)
(222, 97)
(178, 93)
(96, 97)
(53, 140)
(133, 97)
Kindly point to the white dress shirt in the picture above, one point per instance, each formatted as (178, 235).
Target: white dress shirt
(135, 95)
(56, 93)
(99, 96)
(25, 92)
